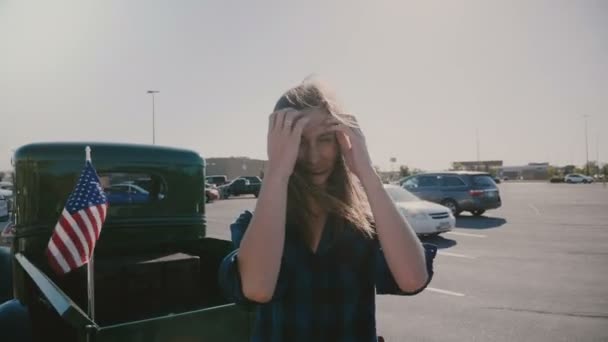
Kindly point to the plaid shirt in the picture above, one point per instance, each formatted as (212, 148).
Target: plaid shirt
(324, 296)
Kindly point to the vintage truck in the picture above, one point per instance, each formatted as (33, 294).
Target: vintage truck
(155, 269)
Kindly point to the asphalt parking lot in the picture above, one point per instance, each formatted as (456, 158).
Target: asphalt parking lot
(534, 270)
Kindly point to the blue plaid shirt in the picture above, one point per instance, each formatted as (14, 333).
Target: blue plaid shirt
(324, 296)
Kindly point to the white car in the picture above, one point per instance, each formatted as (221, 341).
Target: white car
(577, 178)
(426, 218)
(3, 208)
(6, 189)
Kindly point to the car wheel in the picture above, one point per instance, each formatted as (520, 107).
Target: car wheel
(478, 212)
(452, 205)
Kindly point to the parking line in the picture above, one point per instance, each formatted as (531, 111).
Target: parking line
(534, 208)
(455, 255)
(432, 289)
(466, 234)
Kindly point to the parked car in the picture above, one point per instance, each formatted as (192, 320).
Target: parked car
(127, 193)
(577, 178)
(217, 179)
(211, 193)
(252, 179)
(460, 191)
(146, 183)
(6, 189)
(426, 218)
(3, 208)
(241, 186)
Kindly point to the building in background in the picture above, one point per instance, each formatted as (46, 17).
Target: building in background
(234, 167)
(532, 171)
(490, 166)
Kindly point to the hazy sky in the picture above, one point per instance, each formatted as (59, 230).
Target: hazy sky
(422, 76)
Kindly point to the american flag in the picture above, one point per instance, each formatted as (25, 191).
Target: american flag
(79, 226)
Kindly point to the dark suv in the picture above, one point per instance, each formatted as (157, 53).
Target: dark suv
(460, 191)
(241, 186)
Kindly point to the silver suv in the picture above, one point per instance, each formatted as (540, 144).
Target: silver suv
(460, 191)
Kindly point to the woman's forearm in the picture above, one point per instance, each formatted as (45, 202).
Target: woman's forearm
(261, 250)
(402, 249)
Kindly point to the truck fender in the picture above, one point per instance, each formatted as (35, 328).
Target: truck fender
(6, 274)
(15, 325)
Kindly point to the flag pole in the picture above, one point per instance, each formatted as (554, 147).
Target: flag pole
(90, 265)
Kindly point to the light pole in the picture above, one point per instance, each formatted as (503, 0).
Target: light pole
(597, 152)
(477, 143)
(153, 116)
(586, 145)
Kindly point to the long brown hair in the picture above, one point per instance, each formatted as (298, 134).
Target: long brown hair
(343, 196)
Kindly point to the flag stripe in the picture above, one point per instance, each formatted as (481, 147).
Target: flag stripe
(76, 226)
(91, 219)
(62, 251)
(53, 262)
(73, 239)
(76, 235)
(69, 245)
(82, 226)
(103, 211)
(57, 259)
(95, 211)
(87, 223)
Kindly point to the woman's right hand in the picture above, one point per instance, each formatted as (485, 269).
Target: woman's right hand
(284, 135)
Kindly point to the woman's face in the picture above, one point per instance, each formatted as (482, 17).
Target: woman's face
(319, 148)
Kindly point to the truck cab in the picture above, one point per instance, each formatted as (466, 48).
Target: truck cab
(155, 270)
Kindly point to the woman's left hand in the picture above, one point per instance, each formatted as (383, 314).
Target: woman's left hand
(353, 146)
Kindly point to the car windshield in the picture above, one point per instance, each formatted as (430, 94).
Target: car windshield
(239, 180)
(139, 189)
(127, 187)
(484, 181)
(401, 195)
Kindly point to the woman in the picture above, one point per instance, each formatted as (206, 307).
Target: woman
(313, 256)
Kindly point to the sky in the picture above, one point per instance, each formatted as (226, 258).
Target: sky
(424, 78)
